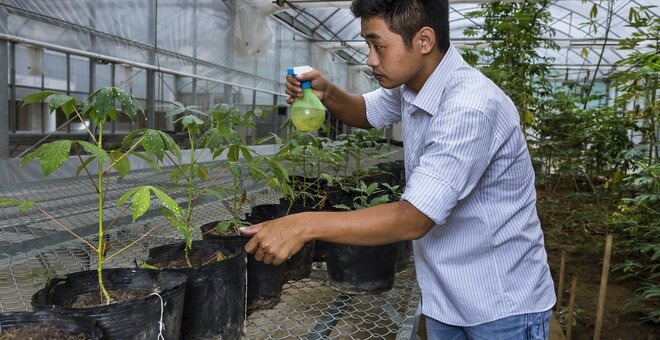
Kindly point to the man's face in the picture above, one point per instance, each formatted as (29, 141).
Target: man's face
(392, 63)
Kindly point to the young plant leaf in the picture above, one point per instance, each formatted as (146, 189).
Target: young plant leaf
(36, 97)
(51, 156)
(121, 163)
(64, 102)
(23, 205)
(95, 150)
(126, 102)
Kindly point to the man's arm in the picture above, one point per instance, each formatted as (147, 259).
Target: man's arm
(348, 108)
(277, 240)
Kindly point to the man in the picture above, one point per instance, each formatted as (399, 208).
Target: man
(469, 202)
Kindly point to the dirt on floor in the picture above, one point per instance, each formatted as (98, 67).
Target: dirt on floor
(584, 261)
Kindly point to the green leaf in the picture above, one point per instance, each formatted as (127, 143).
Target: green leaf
(66, 103)
(168, 202)
(104, 105)
(153, 144)
(224, 131)
(175, 111)
(140, 202)
(202, 172)
(212, 139)
(36, 97)
(222, 226)
(235, 169)
(51, 155)
(183, 227)
(190, 120)
(126, 101)
(121, 164)
(145, 265)
(95, 150)
(232, 155)
(277, 139)
(23, 205)
(170, 145)
(247, 153)
(379, 200)
(594, 11)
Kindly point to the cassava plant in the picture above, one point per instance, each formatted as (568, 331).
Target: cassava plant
(223, 138)
(307, 155)
(97, 110)
(356, 147)
(367, 196)
(191, 175)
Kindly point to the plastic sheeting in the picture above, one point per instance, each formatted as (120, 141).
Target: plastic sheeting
(195, 36)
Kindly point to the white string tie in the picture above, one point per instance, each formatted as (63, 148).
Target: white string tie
(161, 325)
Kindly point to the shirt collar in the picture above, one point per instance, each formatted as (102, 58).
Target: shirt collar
(428, 98)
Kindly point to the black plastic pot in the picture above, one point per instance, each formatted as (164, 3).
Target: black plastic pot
(215, 293)
(264, 281)
(300, 264)
(403, 258)
(397, 169)
(337, 195)
(265, 212)
(361, 269)
(138, 318)
(72, 324)
(320, 251)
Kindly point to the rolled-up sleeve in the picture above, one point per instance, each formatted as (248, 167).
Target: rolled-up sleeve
(457, 151)
(383, 107)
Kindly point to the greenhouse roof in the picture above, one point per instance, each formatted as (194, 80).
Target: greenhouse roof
(331, 24)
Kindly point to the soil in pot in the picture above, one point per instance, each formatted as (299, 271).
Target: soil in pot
(264, 281)
(93, 299)
(361, 269)
(47, 325)
(215, 289)
(137, 318)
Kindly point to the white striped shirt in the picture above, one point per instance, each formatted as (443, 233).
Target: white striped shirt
(469, 170)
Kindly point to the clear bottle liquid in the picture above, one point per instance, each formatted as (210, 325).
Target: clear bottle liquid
(307, 113)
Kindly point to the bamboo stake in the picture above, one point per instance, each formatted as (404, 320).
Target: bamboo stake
(571, 305)
(603, 286)
(560, 286)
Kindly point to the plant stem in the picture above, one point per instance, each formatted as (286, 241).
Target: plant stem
(190, 190)
(100, 250)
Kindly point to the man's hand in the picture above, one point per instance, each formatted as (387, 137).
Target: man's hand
(275, 241)
(319, 84)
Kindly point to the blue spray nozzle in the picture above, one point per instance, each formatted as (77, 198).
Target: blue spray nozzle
(298, 70)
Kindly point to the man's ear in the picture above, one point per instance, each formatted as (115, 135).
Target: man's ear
(426, 39)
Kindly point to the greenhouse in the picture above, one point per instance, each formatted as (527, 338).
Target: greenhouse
(171, 169)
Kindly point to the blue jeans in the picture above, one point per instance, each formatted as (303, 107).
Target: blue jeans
(531, 326)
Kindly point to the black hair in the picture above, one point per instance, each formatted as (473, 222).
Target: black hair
(407, 17)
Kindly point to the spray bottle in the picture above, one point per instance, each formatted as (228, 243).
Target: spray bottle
(307, 113)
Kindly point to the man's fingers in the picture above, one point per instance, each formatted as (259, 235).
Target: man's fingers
(251, 230)
(251, 246)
